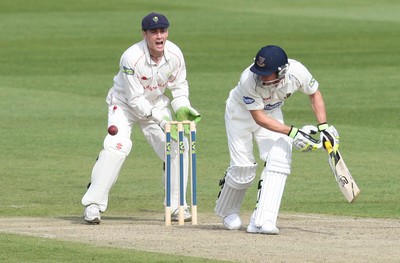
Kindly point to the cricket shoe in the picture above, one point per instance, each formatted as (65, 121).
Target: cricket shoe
(232, 222)
(267, 228)
(186, 215)
(92, 214)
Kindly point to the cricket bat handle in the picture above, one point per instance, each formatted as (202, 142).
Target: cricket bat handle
(328, 146)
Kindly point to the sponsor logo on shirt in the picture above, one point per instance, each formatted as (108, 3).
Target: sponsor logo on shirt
(311, 83)
(151, 88)
(248, 100)
(128, 71)
(273, 106)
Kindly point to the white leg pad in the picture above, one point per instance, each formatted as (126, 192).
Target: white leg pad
(272, 183)
(233, 189)
(106, 170)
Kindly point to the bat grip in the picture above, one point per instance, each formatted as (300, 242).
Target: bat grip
(328, 146)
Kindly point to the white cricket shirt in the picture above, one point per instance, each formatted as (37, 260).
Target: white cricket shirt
(250, 92)
(141, 81)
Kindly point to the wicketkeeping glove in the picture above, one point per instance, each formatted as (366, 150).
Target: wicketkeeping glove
(328, 133)
(303, 140)
(174, 128)
(187, 113)
(159, 117)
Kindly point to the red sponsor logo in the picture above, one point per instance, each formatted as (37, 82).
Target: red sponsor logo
(151, 88)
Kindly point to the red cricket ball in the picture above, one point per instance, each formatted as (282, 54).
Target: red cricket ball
(112, 130)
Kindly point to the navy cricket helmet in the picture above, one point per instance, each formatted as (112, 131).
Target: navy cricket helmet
(269, 59)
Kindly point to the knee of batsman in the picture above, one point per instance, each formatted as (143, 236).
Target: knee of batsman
(240, 177)
(118, 144)
(278, 165)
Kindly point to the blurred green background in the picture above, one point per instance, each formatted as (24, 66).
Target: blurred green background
(58, 59)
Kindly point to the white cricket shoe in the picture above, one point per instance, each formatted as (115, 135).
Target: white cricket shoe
(232, 222)
(92, 214)
(267, 228)
(186, 215)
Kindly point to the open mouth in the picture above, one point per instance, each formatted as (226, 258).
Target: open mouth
(159, 43)
(272, 82)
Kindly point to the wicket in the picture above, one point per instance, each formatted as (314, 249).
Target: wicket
(192, 171)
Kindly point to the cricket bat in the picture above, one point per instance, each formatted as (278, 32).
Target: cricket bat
(342, 174)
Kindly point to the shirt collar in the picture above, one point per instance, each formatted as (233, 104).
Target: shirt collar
(147, 52)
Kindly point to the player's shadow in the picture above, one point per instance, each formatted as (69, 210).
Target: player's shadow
(78, 220)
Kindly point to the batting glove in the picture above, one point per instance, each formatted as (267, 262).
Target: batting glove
(302, 140)
(329, 133)
(187, 113)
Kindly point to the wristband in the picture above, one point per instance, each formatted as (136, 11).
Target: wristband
(293, 131)
(322, 126)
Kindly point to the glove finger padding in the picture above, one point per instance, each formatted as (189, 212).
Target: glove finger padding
(188, 114)
(310, 129)
(186, 128)
(303, 141)
(332, 135)
(174, 132)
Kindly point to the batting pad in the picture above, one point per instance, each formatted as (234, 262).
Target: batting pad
(272, 183)
(237, 180)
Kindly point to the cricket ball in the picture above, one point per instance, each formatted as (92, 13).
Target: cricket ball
(112, 130)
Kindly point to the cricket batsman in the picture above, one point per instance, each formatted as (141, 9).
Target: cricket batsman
(254, 113)
(146, 70)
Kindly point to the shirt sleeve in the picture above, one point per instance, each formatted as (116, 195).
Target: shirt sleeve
(247, 91)
(307, 83)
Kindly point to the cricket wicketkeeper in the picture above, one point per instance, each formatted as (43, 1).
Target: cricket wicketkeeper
(253, 112)
(137, 97)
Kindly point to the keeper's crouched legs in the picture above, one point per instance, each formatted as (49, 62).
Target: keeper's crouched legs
(104, 174)
(233, 189)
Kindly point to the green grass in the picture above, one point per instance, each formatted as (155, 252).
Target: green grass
(58, 58)
(32, 249)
